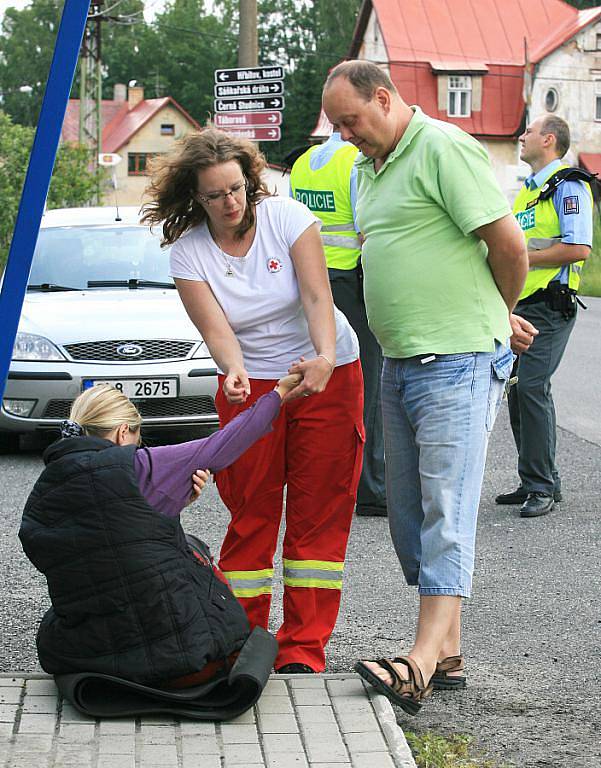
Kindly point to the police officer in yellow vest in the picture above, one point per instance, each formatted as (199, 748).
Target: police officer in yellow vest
(554, 210)
(324, 179)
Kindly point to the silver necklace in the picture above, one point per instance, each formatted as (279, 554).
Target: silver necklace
(229, 272)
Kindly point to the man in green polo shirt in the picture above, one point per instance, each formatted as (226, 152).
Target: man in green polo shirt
(444, 264)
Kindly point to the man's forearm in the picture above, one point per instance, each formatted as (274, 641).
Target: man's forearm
(509, 272)
(507, 256)
(558, 254)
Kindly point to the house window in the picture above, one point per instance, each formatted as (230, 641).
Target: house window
(136, 163)
(167, 129)
(551, 100)
(598, 38)
(459, 103)
(598, 107)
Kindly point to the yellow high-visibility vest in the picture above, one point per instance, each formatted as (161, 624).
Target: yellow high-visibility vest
(326, 191)
(539, 221)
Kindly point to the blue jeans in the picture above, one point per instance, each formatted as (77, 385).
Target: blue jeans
(437, 419)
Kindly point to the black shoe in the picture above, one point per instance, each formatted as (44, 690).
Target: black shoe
(367, 510)
(519, 496)
(537, 504)
(295, 669)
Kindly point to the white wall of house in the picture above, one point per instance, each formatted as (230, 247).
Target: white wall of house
(574, 72)
(372, 46)
(130, 189)
(277, 181)
(504, 159)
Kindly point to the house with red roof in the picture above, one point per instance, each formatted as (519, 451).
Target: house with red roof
(136, 129)
(490, 67)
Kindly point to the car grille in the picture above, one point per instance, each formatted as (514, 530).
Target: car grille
(152, 349)
(154, 408)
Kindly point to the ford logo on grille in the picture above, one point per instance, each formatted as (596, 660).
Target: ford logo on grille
(129, 350)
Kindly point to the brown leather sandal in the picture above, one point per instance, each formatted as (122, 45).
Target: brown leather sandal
(442, 680)
(408, 694)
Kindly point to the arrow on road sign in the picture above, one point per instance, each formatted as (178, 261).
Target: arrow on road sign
(242, 119)
(248, 105)
(248, 74)
(260, 133)
(249, 89)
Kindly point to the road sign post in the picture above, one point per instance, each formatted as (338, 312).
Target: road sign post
(249, 100)
(249, 105)
(249, 89)
(245, 119)
(248, 74)
(258, 133)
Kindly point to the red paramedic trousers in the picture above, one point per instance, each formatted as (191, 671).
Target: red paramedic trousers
(316, 449)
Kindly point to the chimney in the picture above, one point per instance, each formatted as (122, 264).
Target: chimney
(135, 95)
(119, 92)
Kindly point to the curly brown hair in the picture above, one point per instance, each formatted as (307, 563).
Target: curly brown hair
(173, 186)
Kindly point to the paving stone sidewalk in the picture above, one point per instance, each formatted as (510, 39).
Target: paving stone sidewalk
(301, 721)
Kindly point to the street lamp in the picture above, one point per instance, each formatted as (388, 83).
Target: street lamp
(28, 90)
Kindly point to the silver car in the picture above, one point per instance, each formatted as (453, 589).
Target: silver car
(101, 307)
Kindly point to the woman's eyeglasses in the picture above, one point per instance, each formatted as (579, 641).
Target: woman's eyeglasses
(220, 197)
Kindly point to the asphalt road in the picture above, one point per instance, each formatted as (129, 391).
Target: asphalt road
(531, 630)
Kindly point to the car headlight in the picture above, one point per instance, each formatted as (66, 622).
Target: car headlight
(30, 346)
(201, 351)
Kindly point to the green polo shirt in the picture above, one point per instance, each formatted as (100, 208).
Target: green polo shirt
(428, 285)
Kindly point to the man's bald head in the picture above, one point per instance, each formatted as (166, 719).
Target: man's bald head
(361, 102)
(364, 76)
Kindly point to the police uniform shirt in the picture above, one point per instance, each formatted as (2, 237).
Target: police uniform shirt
(574, 208)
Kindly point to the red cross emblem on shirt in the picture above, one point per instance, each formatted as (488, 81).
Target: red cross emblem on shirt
(274, 265)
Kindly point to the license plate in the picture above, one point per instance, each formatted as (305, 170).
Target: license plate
(138, 389)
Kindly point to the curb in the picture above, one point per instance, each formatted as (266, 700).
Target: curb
(393, 733)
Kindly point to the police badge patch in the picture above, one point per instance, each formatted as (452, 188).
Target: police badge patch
(571, 205)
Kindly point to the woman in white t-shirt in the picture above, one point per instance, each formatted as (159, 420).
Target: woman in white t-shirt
(251, 272)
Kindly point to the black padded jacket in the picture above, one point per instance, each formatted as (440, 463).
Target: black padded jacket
(128, 597)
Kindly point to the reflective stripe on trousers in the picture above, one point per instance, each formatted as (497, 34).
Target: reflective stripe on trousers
(319, 574)
(250, 583)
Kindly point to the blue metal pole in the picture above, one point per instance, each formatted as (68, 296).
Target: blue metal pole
(39, 172)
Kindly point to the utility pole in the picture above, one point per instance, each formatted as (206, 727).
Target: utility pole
(90, 86)
(247, 39)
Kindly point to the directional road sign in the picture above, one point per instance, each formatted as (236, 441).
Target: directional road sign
(248, 74)
(249, 89)
(260, 133)
(244, 119)
(249, 105)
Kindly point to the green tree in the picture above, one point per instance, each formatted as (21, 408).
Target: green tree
(129, 48)
(308, 38)
(26, 46)
(175, 55)
(191, 44)
(72, 182)
(581, 4)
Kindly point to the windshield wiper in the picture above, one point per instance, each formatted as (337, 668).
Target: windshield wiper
(133, 282)
(51, 287)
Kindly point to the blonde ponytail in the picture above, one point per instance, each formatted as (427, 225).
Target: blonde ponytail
(102, 408)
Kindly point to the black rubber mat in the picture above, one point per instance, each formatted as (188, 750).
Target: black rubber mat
(222, 698)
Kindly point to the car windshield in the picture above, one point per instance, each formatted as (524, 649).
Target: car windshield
(73, 256)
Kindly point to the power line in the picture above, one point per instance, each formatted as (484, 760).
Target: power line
(106, 10)
(331, 55)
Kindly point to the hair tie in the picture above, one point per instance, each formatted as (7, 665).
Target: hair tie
(71, 429)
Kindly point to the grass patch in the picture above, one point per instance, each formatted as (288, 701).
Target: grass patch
(433, 751)
(590, 284)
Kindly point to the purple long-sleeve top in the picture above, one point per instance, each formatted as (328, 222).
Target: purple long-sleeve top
(164, 474)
